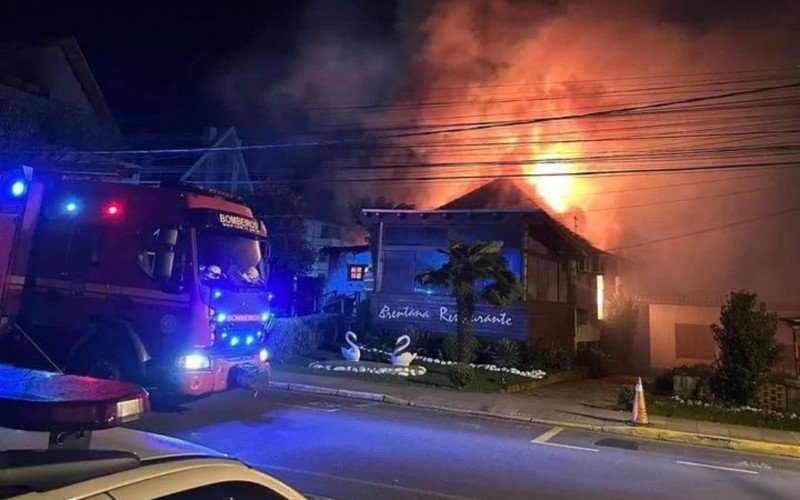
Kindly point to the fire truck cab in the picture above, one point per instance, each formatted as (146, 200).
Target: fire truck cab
(162, 286)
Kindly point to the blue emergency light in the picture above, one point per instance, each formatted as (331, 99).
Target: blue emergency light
(18, 188)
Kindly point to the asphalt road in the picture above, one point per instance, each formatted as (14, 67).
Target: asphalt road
(339, 448)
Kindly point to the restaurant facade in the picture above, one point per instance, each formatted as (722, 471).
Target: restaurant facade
(561, 273)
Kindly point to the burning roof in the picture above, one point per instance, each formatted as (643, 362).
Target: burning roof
(499, 194)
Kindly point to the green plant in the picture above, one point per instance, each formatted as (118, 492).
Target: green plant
(530, 357)
(467, 264)
(697, 370)
(462, 375)
(625, 397)
(451, 351)
(555, 358)
(618, 329)
(291, 253)
(505, 354)
(290, 336)
(594, 360)
(362, 322)
(428, 343)
(664, 383)
(746, 346)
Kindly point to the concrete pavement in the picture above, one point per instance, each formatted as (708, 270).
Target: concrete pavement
(581, 405)
(348, 448)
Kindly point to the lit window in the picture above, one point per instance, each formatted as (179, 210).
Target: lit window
(356, 273)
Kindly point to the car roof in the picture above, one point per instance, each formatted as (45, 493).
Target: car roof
(146, 445)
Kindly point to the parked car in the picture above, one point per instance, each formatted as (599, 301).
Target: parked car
(60, 437)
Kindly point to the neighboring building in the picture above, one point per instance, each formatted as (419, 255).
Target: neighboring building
(321, 234)
(559, 270)
(349, 269)
(675, 331)
(218, 167)
(51, 106)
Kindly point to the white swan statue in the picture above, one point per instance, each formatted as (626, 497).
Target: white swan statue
(405, 358)
(353, 353)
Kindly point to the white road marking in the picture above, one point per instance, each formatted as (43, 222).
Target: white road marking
(754, 465)
(719, 467)
(569, 446)
(365, 482)
(548, 435)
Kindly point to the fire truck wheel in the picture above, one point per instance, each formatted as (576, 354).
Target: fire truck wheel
(104, 362)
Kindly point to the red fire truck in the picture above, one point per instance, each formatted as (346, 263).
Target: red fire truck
(162, 286)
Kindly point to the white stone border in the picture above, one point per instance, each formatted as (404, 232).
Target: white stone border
(532, 374)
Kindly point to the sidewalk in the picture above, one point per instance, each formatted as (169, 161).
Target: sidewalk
(580, 405)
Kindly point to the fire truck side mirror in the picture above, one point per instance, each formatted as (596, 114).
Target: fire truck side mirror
(164, 263)
(165, 255)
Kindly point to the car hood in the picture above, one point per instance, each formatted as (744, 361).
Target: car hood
(146, 445)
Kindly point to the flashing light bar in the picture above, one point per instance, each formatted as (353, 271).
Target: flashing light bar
(39, 401)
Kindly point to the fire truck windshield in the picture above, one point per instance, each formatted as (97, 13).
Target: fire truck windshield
(229, 257)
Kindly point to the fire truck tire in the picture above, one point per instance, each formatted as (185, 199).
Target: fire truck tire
(103, 360)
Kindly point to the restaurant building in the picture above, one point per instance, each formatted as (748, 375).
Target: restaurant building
(560, 272)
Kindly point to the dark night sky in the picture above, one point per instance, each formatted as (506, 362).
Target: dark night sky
(154, 61)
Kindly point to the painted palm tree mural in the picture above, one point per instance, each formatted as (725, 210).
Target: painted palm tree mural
(473, 271)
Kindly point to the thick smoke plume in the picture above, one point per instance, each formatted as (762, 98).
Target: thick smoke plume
(465, 62)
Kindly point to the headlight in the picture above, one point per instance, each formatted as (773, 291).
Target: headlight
(263, 355)
(194, 362)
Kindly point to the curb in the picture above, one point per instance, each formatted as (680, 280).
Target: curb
(653, 433)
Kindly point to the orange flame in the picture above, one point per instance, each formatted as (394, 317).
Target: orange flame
(557, 191)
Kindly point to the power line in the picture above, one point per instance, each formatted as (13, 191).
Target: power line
(666, 202)
(470, 127)
(586, 173)
(704, 231)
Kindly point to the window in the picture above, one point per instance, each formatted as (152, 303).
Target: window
(356, 272)
(231, 490)
(547, 280)
(147, 246)
(325, 231)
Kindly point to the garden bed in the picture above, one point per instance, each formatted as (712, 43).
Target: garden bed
(669, 407)
(436, 375)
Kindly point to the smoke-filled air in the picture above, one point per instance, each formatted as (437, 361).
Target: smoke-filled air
(457, 93)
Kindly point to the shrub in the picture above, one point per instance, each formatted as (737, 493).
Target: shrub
(428, 343)
(290, 336)
(594, 360)
(450, 349)
(362, 322)
(530, 357)
(664, 383)
(625, 397)
(698, 370)
(506, 353)
(555, 359)
(746, 345)
(462, 375)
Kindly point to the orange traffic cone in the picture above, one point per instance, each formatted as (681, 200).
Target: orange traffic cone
(639, 407)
